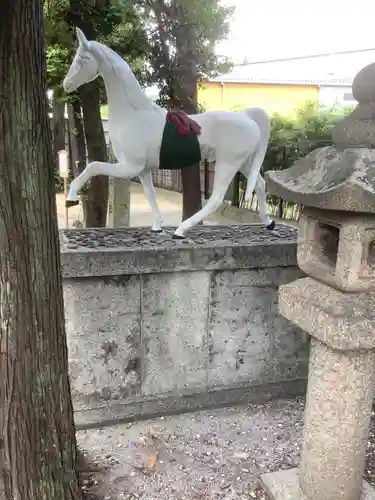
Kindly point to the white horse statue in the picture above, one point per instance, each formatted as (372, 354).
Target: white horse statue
(237, 141)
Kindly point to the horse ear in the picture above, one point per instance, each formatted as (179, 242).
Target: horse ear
(82, 40)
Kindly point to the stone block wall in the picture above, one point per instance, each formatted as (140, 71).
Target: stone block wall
(157, 326)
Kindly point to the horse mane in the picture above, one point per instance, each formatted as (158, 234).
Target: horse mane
(136, 96)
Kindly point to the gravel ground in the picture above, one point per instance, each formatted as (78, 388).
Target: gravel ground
(206, 455)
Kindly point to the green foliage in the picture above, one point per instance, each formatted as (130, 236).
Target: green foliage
(149, 34)
(294, 137)
(104, 111)
(116, 23)
(297, 134)
(177, 28)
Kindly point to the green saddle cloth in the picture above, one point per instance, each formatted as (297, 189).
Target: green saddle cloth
(178, 151)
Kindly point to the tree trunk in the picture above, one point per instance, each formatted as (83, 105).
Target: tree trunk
(191, 191)
(96, 200)
(97, 194)
(37, 433)
(76, 138)
(187, 96)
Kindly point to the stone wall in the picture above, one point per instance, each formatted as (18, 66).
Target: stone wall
(157, 326)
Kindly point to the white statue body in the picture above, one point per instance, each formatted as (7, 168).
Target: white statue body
(236, 141)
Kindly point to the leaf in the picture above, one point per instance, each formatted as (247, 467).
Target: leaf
(150, 462)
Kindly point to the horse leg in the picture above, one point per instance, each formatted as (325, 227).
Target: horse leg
(119, 170)
(149, 190)
(224, 174)
(260, 191)
(256, 181)
(252, 178)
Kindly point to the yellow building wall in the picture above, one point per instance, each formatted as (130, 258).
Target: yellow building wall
(274, 98)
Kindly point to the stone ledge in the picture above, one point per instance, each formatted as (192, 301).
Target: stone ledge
(329, 178)
(109, 252)
(142, 409)
(343, 321)
(284, 485)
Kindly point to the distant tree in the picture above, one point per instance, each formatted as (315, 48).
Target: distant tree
(183, 35)
(37, 434)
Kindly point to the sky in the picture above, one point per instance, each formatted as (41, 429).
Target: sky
(271, 29)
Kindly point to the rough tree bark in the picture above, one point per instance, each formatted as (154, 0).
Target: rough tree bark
(96, 199)
(37, 434)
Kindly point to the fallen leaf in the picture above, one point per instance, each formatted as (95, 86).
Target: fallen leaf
(150, 462)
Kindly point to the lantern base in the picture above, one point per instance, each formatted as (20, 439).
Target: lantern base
(284, 485)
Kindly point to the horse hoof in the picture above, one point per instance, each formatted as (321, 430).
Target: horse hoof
(70, 203)
(177, 237)
(156, 231)
(271, 226)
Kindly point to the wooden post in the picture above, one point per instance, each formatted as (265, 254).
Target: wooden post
(206, 180)
(66, 208)
(118, 214)
(236, 191)
(118, 203)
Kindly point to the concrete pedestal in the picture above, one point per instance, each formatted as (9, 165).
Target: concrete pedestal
(157, 326)
(339, 394)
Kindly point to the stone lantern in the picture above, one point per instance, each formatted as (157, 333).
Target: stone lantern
(335, 304)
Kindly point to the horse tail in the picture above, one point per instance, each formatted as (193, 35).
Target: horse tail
(261, 118)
